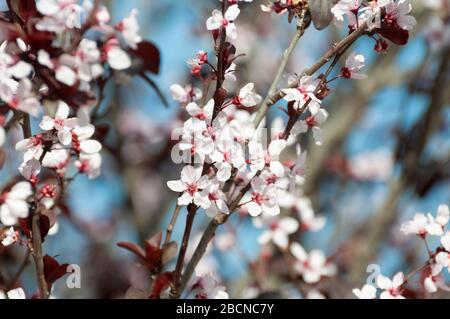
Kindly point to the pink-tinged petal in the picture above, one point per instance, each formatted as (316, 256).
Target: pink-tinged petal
(386, 295)
(21, 70)
(215, 21)
(271, 209)
(193, 109)
(398, 280)
(176, 186)
(118, 59)
(18, 208)
(20, 191)
(63, 111)
(384, 282)
(317, 258)
(224, 173)
(48, 7)
(231, 31)
(184, 200)
(6, 217)
(222, 206)
(84, 132)
(429, 285)
(202, 200)
(232, 12)
(289, 225)
(66, 75)
(276, 147)
(17, 293)
(280, 239)
(90, 146)
(47, 123)
(189, 174)
(253, 209)
(23, 145)
(298, 252)
(71, 123)
(311, 277)
(445, 241)
(65, 137)
(292, 95)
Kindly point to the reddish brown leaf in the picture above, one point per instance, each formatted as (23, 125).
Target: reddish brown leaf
(395, 34)
(135, 249)
(149, 54)
(53, 270)
(161, 283)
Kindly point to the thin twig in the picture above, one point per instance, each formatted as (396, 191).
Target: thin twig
(175, 289)
(301, 25)
(35, 229)
(336, 49)
(173, 220)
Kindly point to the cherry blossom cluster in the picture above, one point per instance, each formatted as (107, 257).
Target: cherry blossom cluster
(230, 167)
(423, 226)
(50, 69)
(387, 19)
(56, 57)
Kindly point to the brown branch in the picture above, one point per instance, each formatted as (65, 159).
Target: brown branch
(173, 220)
(336, 49)
(301, 26)
(175, 290)
(35, 230)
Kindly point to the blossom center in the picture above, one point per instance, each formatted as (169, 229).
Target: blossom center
(257, 198)
(191, 189)
(311, 121)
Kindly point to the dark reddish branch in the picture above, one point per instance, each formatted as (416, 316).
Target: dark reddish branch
(36, 232)
(175, 289)
(220, 62)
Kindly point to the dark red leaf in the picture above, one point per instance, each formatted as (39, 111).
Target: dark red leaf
(44, 226)
(149, 54)
(27, 9)
(161, 283)
(155, 240)
(25, 225)
(135, 249)
(53, 270)
(394, 33)
(152, 256)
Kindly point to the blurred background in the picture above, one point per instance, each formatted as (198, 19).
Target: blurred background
(386, 154)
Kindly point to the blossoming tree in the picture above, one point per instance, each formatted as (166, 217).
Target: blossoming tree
(57, 60)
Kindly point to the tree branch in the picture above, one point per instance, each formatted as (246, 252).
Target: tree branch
(301, 25)
(35, 230)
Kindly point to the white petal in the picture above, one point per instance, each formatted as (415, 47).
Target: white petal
(16, 294)
(90, 146)
(47, 123)
(176, 186)
(118, 59)
(276, 147)
(66, 75)
(298, 252)
(63, 110)
(232, 12)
